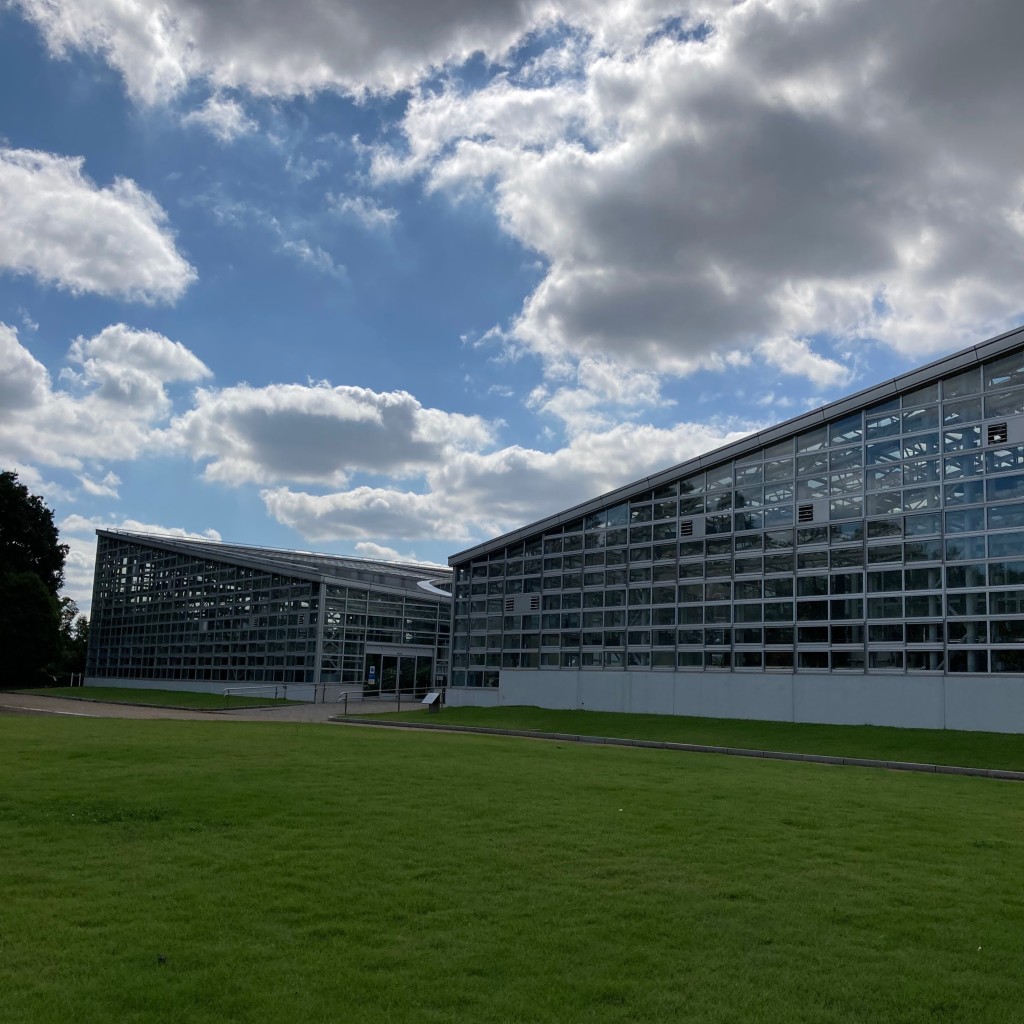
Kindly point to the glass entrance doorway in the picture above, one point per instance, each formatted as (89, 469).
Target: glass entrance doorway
(401, 672)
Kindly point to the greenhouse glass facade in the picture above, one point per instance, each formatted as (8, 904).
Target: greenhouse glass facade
(881, 536)
(199, 615)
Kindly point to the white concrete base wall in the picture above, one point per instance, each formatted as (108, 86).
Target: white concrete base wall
(985, 703)
(462, 697)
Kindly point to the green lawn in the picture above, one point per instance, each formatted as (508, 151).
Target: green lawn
(923, 746)
(295, 873)
(164, 698)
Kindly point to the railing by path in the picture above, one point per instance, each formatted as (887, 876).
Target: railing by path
(268, 691)
(319, 691)
(410, 697)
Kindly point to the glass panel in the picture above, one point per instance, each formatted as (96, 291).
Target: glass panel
(882, 420)
(961, 440)
(1005, 371)
(778, 470)
(847, 430)
(961, 412)
(920, 418)
(966, 383)
(884, 451)
(921, 396)
(1008, 404)
(813, 440)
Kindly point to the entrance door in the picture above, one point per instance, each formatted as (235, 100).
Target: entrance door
(387, 674)
(407, 674)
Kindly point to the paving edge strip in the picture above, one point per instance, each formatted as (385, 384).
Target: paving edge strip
(694, 748)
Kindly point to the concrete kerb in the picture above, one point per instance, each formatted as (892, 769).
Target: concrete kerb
(695, 748)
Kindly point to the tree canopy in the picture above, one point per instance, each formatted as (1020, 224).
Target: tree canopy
(29, 541)
(30, 637)
(31, 574)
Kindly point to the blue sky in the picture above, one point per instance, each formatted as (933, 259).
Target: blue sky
(388, 279)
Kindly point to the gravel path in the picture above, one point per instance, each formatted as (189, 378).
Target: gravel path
(31, 704)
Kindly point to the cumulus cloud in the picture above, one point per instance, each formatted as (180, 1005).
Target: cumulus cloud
(105, 488)
(318, 433)
(271, 48)
(794, 356)
(361, 514)
(370, 550)
(335, 462)
(113, 404)
(700, 180)
(478, 494)
(61, 228)
(602, 393)
(225, 119)
(796, 169)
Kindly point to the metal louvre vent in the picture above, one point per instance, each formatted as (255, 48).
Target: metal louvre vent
(997, 433)
(510, 604)
(686, 528)
(805, 514)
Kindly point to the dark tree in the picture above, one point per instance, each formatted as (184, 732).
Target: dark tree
(29, 541)
(29, 629)
(79, 644)
(74, 638)
(31, 574)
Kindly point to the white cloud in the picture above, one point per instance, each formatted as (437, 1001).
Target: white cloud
(105, 488)
(474, 494)
(286, 235)
(31, 477)
(796, 169)
(111, 407)
(59, 227)
(316, 257)
(378, 467)
(363, 209)
(794, 356)
(302, 168)
(24, 381)
(271, 48)
(370, 550)
(121, 348)
(604, 392)
(362, 514)
(804, 169)
(226, 119)
(318, 433)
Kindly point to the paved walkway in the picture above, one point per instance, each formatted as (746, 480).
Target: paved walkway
(31, 704)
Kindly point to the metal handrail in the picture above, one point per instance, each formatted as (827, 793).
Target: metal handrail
(395, 695)
(262, 690)
(280, 691)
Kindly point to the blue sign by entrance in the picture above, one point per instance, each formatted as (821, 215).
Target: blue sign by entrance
(373, 673)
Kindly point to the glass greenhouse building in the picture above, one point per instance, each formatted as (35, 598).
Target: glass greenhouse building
(860, 563)
(198, 615)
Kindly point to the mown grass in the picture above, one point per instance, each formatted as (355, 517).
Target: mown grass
(924, 746)
(210, 872)
(161, 698)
